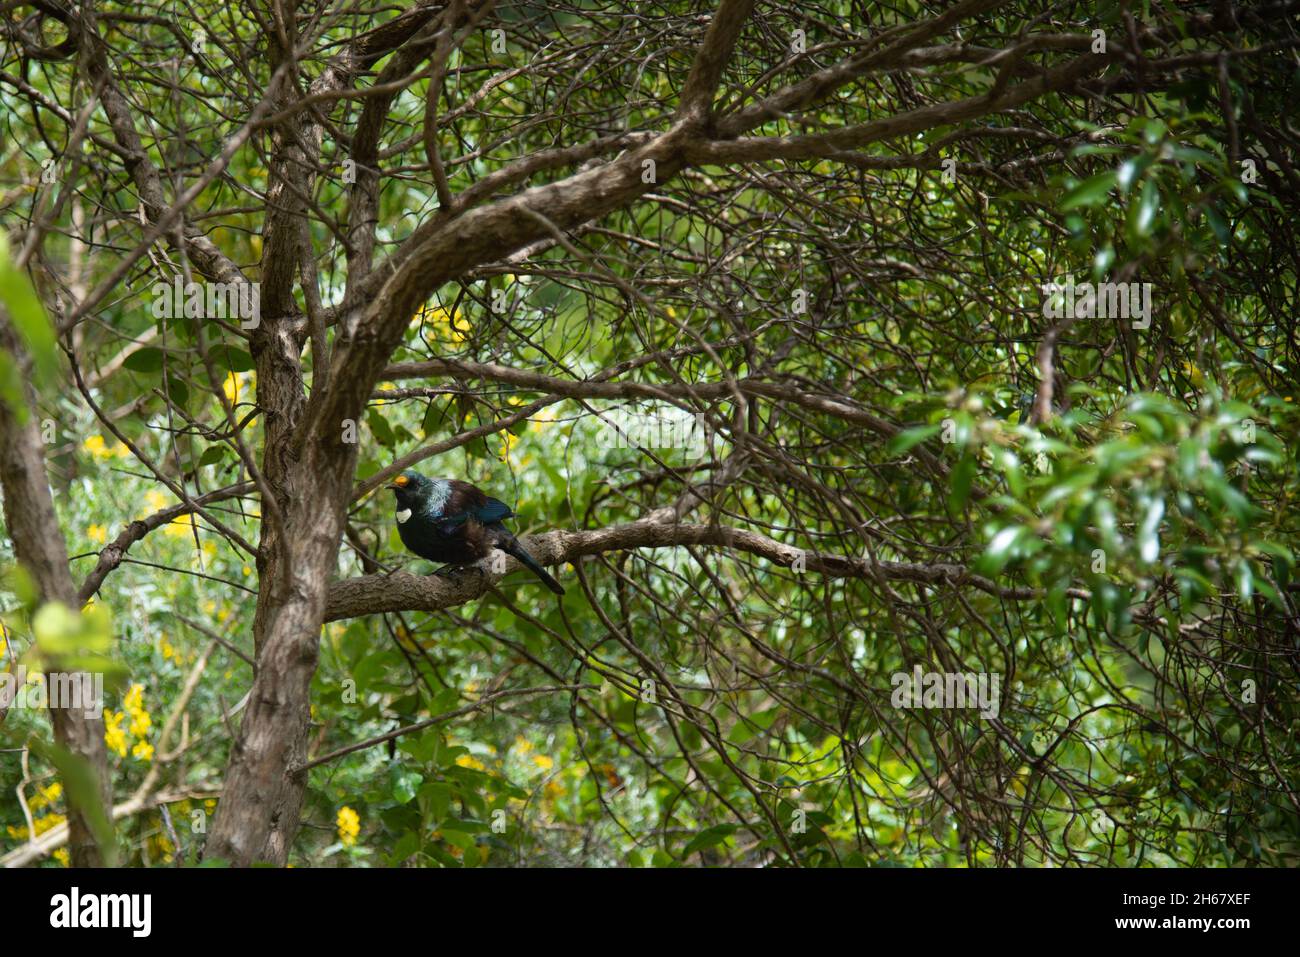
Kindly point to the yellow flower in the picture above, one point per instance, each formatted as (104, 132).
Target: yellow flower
(143, 750)
(542, 421)
(43, 824)
(97, 533)
(155, 499)
(456, 324)
(134, 699)
(469, 761)
(459, 328)
(543, 762)
(97, 447)
(180, 527)
(114, 733)
(523, 744)
(141, 722)
(100, 449)
(232, 386)
(61, 855)
(349, 825)
(508, 442)
(168, 650)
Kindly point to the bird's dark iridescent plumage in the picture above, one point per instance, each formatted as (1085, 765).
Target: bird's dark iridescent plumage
(453, 523)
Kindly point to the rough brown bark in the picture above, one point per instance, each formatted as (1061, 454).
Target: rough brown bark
(309, 463)
(258, 816)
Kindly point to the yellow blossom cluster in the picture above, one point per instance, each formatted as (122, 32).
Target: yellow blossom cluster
(44, 816)
(180, 527)
(554, 787)
(211, 609)
(453, 326)
(100, 449)
(159, 846)
(349, 825)
(542, 421)
(118, 738)
(469, 761)
(236, 384)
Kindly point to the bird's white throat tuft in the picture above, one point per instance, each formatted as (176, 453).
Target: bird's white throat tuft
(402, 515)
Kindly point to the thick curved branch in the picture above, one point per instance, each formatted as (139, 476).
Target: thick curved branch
(402, 591)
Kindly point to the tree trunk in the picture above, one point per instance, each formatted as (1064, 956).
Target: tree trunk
(40, 549)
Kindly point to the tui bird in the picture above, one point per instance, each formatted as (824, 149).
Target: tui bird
(453, 523)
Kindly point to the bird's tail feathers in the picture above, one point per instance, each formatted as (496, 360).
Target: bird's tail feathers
(512, 547)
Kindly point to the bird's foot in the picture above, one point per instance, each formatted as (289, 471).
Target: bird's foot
(457, 572)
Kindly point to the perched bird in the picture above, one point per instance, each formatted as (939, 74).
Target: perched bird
(453, 523)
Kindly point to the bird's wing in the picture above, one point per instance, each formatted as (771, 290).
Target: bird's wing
(466, 502)
(494, 510)
(449, 525)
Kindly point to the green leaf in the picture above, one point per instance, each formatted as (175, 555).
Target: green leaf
(406, 785)
(177, 391)
(1146, 208)
(437, 796)
(709, 837)
(1001, 549)
(235, 360)
(147, 359)
(28, 315)
(1148, 537)
(212, 455)
(962, 478)
(61, 631)
(1091, 192)
(379, 427)
(11, 387)
(1245, 580)
(911, 438)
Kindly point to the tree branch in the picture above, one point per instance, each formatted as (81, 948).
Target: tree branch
(402, 591)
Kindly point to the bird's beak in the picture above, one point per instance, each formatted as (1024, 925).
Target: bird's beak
(393, 485)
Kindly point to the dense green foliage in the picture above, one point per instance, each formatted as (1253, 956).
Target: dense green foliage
(1126, 565)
